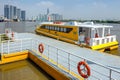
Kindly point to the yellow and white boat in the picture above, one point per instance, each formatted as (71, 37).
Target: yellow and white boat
(87, 34)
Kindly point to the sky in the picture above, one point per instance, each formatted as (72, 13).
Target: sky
(70, 9)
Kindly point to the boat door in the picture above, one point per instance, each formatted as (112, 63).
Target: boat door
(80, 30)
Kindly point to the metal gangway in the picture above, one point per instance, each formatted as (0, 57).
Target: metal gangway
(61, 58)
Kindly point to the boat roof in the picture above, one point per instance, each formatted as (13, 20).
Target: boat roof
(78, 24)
(89, 25)
(94, 26)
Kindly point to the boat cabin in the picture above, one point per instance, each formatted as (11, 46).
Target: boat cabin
(95, 34)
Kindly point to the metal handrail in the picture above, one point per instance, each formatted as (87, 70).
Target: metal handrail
(86, 59)
(101, 65)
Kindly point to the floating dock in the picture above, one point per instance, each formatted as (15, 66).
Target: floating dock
(63, 56)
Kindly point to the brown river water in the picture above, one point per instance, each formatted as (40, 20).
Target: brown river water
(22, 70)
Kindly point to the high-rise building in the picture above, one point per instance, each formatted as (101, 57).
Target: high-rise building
(23, 15)
(47, 11)
(6, 11)
(55, 17)
(49, 17)
(19, 14)
(12, 12)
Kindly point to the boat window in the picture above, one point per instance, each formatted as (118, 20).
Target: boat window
(52, 27)
(107, 40)
(43, 27)
(47, 27)
(111, 39)
(65, 30)
(57, 28)
(103, 41)
(80, 29)
(62, 29)
(69, 29)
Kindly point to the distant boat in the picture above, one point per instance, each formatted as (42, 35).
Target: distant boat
(16, 20)
(1, 19)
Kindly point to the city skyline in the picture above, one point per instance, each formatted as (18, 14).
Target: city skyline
(13, 12)
(70, 9)
(48, 16)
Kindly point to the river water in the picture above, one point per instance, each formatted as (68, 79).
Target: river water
(22, 70)
(30, 27)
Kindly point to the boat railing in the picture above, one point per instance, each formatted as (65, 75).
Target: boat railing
(61, 58)
(102, 40)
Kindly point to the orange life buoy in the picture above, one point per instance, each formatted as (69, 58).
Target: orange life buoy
(108, 35)
(41, 48)
(86, 67)
(96, 35)
(12, 34)
(7, 31)
(87, 40)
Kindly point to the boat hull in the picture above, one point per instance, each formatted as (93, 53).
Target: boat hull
(108, 46)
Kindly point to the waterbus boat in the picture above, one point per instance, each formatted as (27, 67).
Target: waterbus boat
(86, 34)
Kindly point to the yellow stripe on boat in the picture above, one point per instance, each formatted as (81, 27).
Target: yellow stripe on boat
(107, 45)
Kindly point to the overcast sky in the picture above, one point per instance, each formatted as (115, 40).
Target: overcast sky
(72, 9)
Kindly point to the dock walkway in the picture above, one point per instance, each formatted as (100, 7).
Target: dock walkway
(100, 63)
(99, 57)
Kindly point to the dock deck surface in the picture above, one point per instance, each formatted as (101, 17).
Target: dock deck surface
(99, 57)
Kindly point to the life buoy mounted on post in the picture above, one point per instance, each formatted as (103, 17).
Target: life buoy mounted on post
(86, 67)
(6, 31)
(96, 35)
(87, 40)
(12, 35)
(108, 35)
(41, 48)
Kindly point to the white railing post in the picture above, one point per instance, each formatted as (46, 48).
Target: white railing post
(114, 38)
(110, 75)
(31, 44)
(37, 43)
(1, 48)
(0, 39)
(57, 56)
(69, 62)
(48, 52)
(91, 42)
(105, 40)
(100, 41)
(8, 46)
(21, 45)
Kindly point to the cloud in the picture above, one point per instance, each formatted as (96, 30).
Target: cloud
(45, 4)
